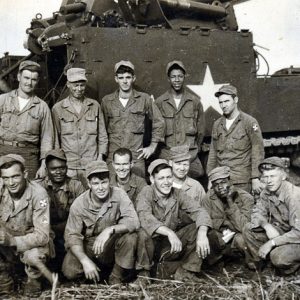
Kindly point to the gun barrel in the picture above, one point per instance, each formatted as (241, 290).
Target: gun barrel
(72, 8)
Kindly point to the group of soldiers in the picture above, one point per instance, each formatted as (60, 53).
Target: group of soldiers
(75, 195)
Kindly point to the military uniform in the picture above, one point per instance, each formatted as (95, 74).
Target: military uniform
(185, 125)
(86, 222)
(193, 189)
(240, 148)
(182, 215)
(132, 187)
(126, 125)
(28, 132)
(282, 211)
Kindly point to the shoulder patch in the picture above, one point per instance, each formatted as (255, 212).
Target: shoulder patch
(43, 203)
(255, 127)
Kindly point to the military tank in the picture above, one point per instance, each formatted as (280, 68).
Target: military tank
(204, 34)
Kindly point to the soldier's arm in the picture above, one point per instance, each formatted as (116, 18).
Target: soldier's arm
(212, 156)
(57, 127)
(102, 134)
(200, 125)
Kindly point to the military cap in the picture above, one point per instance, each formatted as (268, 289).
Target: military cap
(76, 74)
(175, 63)
(226, 89)
(219, 173)
(125, 63)
(157, 163)
(94, 167)
(271, 162)
(29, 65)
(179, 153)
(11, 158)
(57, 153)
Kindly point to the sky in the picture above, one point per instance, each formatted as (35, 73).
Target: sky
(275, 27)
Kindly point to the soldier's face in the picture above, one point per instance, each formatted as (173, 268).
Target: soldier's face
(99, 187)
(57, 170)
(125, 81)
(228, 104)
(273, 179)
(221, 187)
(77, 89)
(181, 168)
(28, 81)
(176, 79)
(122, 166)
(163, 181)
(14, 179)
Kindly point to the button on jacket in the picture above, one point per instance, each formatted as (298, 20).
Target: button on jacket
(31, 125)
(184, 125)
(126, 125)
(82, 136)
(240, 148)
(29, 222)
(179, 211)
(85, 220)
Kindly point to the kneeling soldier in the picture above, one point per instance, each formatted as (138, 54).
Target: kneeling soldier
(173, 225)
(24, 225)
(275, 221)
(100, 230)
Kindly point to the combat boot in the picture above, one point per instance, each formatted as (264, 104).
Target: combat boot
(143, 279)
(116, 276)
(6, 281)
(186, 276)
(33, 287)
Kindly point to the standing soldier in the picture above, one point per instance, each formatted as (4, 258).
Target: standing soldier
(80, 125)
(126, 111)
(184, 118)
(236, 143)
(26, 125)
(24, 224)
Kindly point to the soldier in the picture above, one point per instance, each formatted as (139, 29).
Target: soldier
(100, 230)
(236, 142)
(275, 222)
(26, 125)
(126, 112)
(123, 177)
(80, 125)
(173, 225)
(229, 208)
(62, 191)
(184, 118)
(24, 224)
(180, 163)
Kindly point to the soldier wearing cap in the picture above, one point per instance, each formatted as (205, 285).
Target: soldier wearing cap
(80, 125)
(62, 191)
(236, 142)
(24, 223)
(173, 225)
(25, 121)
(180, 163)
(123, 178)
(275, 221)
(229, 208)
(100, 232)
(126, 113)
(184, 117)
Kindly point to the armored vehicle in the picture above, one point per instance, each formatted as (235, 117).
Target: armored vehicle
(95, 34)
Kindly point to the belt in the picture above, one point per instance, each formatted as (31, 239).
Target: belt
(13, 143)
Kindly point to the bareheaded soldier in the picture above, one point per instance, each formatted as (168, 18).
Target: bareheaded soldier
(26, 125)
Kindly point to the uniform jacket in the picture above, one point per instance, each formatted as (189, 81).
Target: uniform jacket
(126, 126)
(133, 186)
(180, 211)
(185, 125)
(61, 200)
(223, 216)
(29, 222)
(282, 210)
(193, 189)
(240, 148)
(86, 221)
(31, 125)
(83, 137)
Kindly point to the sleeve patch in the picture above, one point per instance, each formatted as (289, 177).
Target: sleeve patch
(43, 203)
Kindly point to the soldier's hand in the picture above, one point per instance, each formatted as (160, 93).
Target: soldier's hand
(202, 246)
(176, 245)
(271, 231)
(41, 172)
(265, 249)
(90, 269)
(257, 186)
(231, 195)
(146, 152)
(101, 240)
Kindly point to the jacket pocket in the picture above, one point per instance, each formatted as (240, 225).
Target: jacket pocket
(33, 124)
(91, 124)
(240, 140)
(137, 120)
(169, 121)
(188, 119)
(67, 125)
